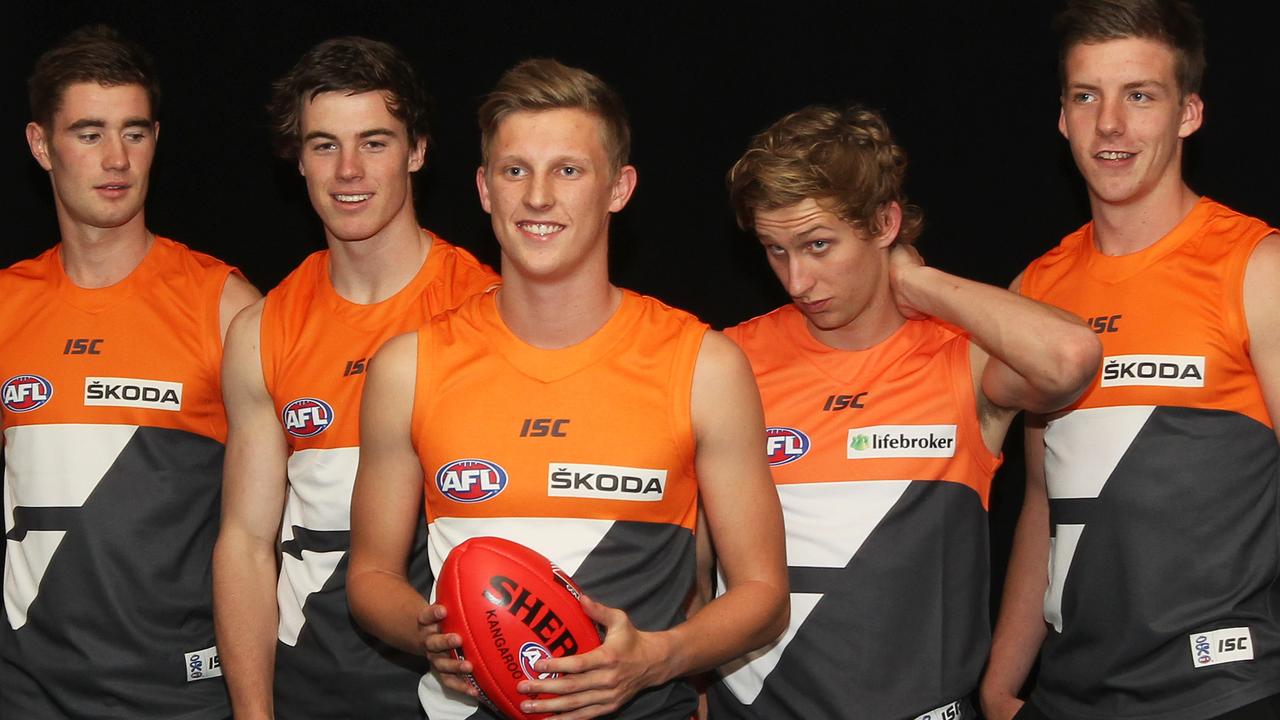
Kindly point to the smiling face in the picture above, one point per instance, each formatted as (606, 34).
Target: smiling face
(550, 187)
(357, 160)
(835, 273)
(1125, 118)
(98, 151)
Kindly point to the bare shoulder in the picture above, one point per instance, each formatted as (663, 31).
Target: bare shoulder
(237, 294)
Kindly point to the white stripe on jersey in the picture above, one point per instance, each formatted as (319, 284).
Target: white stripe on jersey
(49, 466)
(826, 524)
(320, 484)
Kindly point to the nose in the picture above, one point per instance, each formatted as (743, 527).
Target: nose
(799, 282)
(349, 165)
(1111, 117)
(115, 155)
(538, 191)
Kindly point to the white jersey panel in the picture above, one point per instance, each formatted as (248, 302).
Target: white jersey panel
(39, 472)
(320, 485)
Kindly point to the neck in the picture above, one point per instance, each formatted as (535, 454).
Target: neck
(556, 314)
(1121, 229)
(100, 257)
(371, 270)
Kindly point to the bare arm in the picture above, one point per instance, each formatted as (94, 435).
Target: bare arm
(253, 492)
(237, 294)
(1030, 356)
(745, 521)
(1020, 628)
(1262, 312)
(386, 501)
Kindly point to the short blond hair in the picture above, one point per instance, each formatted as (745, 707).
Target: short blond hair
(845, 159)
(546, 84)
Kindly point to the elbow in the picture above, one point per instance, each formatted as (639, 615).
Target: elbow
(1077, 356)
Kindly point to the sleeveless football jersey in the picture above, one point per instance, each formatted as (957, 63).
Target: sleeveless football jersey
(113, 440)
(315, 349)
(1163, 592)
(883, 475)
(584, 454)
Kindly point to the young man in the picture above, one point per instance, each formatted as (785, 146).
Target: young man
(888, 387)
(561, 374)
(1152, 500)
(353, 116)
(113, 422)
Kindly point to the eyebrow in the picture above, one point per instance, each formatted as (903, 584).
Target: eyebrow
(84, 123)
(1127, 86)
(320, 134)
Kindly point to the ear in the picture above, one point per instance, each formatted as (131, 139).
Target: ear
(623, 186)
(483, 188)
(155, 131)
(418, 156)
(39, 144)
(1062, 122)
(890, 217)
(1192, 115)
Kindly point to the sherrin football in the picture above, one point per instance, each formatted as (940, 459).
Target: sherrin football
(512, 607)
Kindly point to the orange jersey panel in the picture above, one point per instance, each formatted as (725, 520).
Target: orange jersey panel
(316, 345)
(110, 356)
(902, 410)
(599, 430)
(1170, 317)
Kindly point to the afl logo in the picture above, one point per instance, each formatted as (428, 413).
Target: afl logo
(785, 445)
(471, 480)
(306, 417)
(24, 393)
(530, 653)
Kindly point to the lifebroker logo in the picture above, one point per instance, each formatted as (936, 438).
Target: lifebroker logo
(306, 417)
(784, 445)
(132, 393)
(906, 441)
(1153, 370)
(471, 480)
(24, 393)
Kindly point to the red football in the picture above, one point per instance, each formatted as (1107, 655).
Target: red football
(512, 607)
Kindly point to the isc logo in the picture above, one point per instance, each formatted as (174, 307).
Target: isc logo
(471, 480)
(24, 393)
(306, 417)
(785, 445)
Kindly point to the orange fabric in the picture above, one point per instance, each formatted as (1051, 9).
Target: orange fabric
(315, 344)
(1182, 296)
(160, 325)
(918, 376)
(625, 392)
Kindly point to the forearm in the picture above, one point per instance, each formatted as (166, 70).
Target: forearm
(386, 605)
(1020, 628)
(1051, 350)
(245, 617)
(746, 617)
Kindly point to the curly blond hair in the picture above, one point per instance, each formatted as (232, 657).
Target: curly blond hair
(845, 159)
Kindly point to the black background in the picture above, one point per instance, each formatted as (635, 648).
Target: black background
(970, 89)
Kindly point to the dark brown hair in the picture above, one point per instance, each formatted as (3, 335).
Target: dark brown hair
(95, 53)
(1172, 22)
(351, 65)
